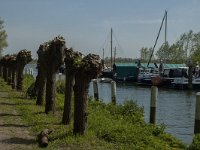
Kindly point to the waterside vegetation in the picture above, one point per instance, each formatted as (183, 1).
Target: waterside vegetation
(109, 126)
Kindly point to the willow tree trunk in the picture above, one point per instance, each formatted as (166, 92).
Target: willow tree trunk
(69, 83)
(80, 104)
(40, 86)
(50, 92)
(5, 73)
(19, 77)
(1, 70)
(9, 75)
(13, 81)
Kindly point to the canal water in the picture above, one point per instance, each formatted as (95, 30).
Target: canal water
(175, 108)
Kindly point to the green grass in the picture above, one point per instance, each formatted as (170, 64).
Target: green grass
(108, 127)
(195, 143)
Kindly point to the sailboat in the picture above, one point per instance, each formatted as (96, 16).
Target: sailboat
(107, 72)
(157, 79)
(166, 76)
(149, 75)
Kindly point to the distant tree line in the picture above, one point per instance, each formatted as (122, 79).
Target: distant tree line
(187, 46)
(3, 37)
(119, 60)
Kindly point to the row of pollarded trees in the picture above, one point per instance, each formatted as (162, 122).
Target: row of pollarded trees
(11, 68)
(79, 72)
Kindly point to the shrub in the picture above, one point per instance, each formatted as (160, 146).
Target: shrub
(195, 143)
(60, 86)
(27, 82)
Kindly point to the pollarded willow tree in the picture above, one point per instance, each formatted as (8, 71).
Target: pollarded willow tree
(90, 68)
(5, 66)
(9, 70)
(13, 70)
(1, 68)
(41, 78)
(53, 55)
(22, 58)
(72, 63)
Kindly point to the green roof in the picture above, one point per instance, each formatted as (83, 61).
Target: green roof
(170, 66)
(151, 65)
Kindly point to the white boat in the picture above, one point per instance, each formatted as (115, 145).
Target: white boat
(105, 80)
(146, 74)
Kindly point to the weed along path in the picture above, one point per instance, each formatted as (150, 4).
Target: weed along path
(13, 133)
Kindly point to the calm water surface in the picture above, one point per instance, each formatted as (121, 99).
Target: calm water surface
(175, 108)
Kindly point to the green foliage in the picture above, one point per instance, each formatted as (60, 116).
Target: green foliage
(195, 143)
(3, 37)
(60, 86)
(188, 45)
(78, 61)
(145, 54)
(124, 125)
(27, 81)
(119, 60)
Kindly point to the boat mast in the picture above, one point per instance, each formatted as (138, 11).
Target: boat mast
(115, 54)
(103, 53)
(103, 61)
(157, 37)
(111, 59)
(165, 27)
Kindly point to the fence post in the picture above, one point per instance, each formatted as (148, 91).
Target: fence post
(95, 87)
(113, 92)
(154, 95)
(197, 114)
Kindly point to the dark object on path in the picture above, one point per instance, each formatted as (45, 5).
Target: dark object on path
(43, 137)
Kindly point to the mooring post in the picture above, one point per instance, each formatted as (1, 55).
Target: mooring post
(32, 71)
(113, 92)
(154, 95)
(197, 114)
(95, 87)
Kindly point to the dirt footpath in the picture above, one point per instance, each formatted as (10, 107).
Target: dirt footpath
(13, 134)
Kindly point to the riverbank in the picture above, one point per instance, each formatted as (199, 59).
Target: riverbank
(109, 126)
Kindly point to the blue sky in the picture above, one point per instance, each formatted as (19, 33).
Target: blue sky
(86, 24)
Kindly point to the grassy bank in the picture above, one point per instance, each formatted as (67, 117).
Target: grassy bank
(109, 126)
